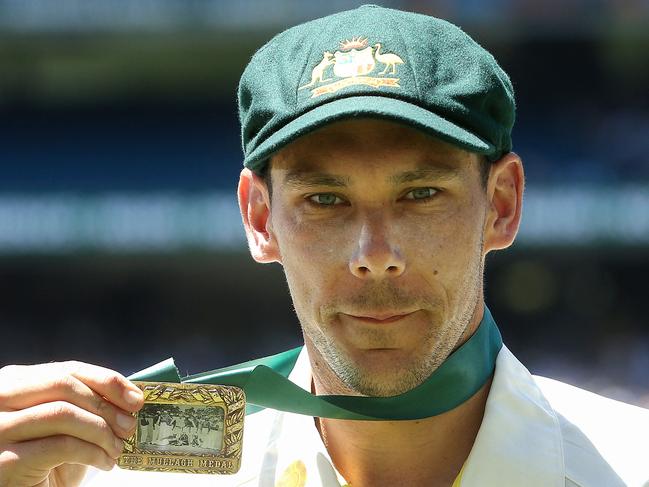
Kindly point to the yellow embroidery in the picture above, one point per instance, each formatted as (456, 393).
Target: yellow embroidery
(351, 63)
(293, 476)
(390, 60)
(360, 80)
(318, 74)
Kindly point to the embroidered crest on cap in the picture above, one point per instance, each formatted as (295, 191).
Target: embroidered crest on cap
(353, 62)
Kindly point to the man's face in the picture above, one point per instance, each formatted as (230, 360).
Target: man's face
(380, 232)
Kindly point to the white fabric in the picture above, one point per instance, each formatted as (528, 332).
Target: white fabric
(536, 432)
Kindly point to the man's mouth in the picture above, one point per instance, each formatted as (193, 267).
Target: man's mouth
(380, 318)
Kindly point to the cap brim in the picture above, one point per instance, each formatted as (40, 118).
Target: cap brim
(361, 107)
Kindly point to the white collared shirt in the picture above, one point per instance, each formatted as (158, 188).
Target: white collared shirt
(536, 432)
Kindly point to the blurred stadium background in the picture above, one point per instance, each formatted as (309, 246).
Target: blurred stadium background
(120, 240)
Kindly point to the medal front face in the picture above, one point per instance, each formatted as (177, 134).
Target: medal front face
(188, 428)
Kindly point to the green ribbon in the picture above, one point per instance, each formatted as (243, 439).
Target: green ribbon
(265, 382)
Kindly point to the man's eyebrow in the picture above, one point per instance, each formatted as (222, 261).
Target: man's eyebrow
(437, 173)
(310, 179)
(302, 179)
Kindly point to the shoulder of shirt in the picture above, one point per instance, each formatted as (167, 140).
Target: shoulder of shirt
(599, 435)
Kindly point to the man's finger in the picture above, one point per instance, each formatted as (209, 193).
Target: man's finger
(58, 418)
(22, 386)
(33, 390)
(47, 453)
(109, 384)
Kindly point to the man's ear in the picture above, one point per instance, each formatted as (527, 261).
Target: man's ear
(254, 203)
(505, 198)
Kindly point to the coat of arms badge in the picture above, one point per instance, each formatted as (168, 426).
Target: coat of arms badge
(352, 63)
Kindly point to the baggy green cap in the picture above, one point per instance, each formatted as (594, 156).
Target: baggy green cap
(379, 63)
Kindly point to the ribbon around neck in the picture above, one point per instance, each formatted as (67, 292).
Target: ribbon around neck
(266, 384)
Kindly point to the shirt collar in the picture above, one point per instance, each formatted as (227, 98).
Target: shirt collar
(299, 451)
(519, 441)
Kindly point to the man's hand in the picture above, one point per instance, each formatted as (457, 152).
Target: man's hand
(55, 419)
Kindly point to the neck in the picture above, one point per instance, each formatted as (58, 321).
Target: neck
(426, 452)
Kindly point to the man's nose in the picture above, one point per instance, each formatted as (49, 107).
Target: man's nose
(376, 256)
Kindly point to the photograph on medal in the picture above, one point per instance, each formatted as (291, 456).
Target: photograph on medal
(188, 428)
(180, 428)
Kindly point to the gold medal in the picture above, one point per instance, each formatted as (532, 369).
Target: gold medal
(189, 428)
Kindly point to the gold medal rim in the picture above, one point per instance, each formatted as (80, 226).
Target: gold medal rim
(228, 461)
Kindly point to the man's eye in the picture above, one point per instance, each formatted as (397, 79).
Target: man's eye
(325, 199)
(420, 193)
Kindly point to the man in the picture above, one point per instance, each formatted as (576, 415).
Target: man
(379, 174)
(146, 428)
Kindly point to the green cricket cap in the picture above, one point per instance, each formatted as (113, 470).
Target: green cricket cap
(379, 63)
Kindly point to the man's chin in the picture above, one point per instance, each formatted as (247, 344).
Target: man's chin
(381, 378)
(382, 387)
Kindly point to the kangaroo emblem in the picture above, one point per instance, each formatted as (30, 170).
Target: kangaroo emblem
(318, 73)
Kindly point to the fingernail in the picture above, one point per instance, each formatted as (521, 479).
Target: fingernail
(133, 397)
(125, 421)
(119, 444)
